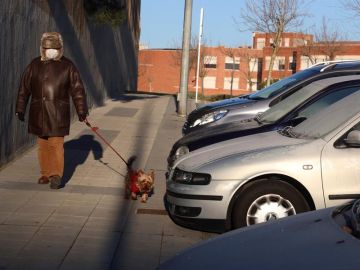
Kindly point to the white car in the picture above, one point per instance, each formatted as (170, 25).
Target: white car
(270, 175)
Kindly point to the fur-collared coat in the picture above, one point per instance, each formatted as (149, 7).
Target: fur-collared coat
(50, 83)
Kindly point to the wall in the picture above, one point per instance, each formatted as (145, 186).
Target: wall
(105, 57)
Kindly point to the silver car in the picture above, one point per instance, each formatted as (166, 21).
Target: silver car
(244, 107)
(270, 175)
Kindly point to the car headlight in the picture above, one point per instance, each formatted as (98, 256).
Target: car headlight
(182, 150)
(210, 117)
(191, 178)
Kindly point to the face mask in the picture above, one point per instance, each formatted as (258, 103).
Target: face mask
(51, 53)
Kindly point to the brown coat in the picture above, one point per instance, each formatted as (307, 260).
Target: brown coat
(50, 85)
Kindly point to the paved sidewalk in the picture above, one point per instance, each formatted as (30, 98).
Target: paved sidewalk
(89, 224)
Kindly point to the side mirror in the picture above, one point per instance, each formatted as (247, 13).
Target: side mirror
(353, 139)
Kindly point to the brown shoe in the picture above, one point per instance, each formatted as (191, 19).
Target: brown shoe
(43, 180)
(55, 182)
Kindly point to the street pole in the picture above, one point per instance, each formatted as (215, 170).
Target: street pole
(198, 56)
(185, 58)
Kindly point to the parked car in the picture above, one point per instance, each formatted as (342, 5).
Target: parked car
(323, 239)
(247, 106)
(265, 176)
(288, 112)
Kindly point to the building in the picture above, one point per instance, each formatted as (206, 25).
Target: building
(240, 70)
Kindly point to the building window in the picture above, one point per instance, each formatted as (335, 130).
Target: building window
(299, 42)
(210, 61)
(210, 82)
(253, 87)
(253, 65)
(227, 83)
(287, 42)
(260, 43)
(232, 63)
(281, 64)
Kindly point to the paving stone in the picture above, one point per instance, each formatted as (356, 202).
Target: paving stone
(34, 263)
(74, 263)
(95, 224)
(26, 219)
(66, 221)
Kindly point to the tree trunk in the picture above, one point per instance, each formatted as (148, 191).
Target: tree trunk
(274, 52)
(202, 87)
(231, 81)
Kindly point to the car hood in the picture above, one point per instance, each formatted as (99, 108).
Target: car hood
(247, 144)
(221, 104)
(311, 240)
(218, 130)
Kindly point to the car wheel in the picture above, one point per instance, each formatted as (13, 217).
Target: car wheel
(266, 200)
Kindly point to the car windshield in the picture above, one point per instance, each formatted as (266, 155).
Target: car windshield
(283, 107)
(328, 119)
(281, 85)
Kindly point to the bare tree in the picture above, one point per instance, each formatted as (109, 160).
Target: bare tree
(308, 48)
(203, 70)
(204, 60)
(274, 17)
(251, 62)
(177, 55)
(327, 43)
(232, 53)
(352, 5)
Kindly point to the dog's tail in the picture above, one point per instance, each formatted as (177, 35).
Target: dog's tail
(130, 162)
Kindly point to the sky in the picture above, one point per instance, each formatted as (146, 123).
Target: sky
(162, 21)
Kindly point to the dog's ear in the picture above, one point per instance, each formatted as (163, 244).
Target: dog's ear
(141, 172)
(152, 175)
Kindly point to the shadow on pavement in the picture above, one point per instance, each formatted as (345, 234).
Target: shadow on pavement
(77, 151)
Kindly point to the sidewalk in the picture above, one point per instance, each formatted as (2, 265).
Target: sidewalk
(89, 224)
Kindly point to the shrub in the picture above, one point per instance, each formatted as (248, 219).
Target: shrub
(105, 11)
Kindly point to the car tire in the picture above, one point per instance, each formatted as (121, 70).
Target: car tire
(266, 200)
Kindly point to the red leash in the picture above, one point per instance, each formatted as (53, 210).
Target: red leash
(95, 130)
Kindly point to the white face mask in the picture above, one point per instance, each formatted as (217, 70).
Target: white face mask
(51, 53)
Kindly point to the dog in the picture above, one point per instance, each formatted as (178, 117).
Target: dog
(139, 183)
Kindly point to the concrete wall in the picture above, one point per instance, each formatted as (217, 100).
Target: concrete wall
(105, 57)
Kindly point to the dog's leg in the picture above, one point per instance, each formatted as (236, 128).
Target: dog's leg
(144, 197)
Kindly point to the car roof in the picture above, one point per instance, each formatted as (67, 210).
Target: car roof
(329, 66)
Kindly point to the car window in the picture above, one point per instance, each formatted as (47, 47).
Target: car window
(283, 84)
(327, 100)
(283, 107)
(328, 119)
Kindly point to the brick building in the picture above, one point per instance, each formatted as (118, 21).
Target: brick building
(237, 70)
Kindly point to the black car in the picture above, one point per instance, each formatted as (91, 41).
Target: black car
(289, 112)
(244, 107)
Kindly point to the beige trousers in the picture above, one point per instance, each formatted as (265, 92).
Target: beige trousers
(51, 155)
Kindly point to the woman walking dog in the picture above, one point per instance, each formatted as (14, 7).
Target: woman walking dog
(50, 80)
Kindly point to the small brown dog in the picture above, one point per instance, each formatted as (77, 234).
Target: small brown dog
(139, 182)
(143, 185)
